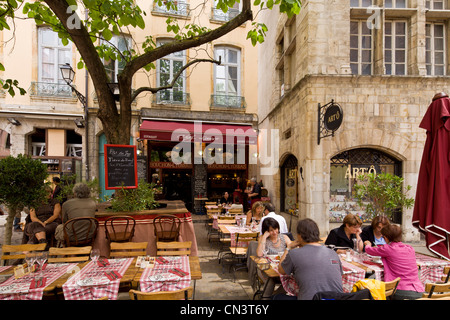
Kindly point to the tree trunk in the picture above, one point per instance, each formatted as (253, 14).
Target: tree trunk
(9, 224)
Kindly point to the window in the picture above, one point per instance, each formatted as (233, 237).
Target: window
(52, 54)
(218, 14)
(395, 47)
(168, 67)
(395, 3)
(360, 3)
(360, 48)
(114, 67)
(227, 77)
(434, 4)
(435, 49)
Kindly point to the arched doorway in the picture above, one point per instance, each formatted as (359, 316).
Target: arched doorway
(289, 184)
(345, 167)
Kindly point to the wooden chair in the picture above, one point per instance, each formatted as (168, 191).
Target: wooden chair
(210, 203)
(183, 294)
(83, 231)
(167, 227)
(226, 220)
(437, 290)
(390, 287)
(235, 211)
(447, 274)
(69, 254)
(120, 228)
(173, 248)
(127, 249)
(18, 252)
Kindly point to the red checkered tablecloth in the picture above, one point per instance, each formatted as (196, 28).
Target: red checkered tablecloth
(165, 274)
(430, 269)
(19, 289)
(93, 282)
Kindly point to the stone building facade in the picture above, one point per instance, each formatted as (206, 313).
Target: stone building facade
(383, 78)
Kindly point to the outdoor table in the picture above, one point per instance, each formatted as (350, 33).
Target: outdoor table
(215, 223)
(21, 288)
(98, 279)
(145, 230)
(190, 264)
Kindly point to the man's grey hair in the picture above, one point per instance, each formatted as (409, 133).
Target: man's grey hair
(81, 190)
(270, 207)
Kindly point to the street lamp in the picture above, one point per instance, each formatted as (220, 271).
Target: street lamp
(68, 74)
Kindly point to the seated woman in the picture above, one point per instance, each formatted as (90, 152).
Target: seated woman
(399, 260)
(372, 234)
(344, 235)
(272, 242)
(43, 220)
(256, 213)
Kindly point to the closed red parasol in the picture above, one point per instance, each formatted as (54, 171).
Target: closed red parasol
(432, 204)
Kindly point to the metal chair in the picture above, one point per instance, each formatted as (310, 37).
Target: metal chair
(120, 228)
(80, 232)
(167, 227)
(237, 253)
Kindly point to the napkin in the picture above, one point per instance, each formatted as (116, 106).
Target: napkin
(178, 272)
(161, 260)
(38, 283)
(112, 275)
(102, 262)
(373, 263)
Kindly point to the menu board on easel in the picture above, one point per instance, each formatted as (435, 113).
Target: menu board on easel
(200, 180)
(120, 167)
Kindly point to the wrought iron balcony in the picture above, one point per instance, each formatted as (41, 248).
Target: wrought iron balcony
(228, 101)
(47, 89)
(182, 9)
(172, 97)
(219, 15)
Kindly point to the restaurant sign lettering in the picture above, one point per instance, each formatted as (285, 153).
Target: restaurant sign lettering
(355, 171)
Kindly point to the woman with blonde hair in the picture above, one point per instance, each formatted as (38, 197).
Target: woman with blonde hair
(256, 213)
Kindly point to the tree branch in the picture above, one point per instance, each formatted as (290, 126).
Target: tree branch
(177, 75)
(159, 52)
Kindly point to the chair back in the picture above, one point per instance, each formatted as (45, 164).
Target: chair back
(167, 227)
(120, 228)
(446, 276)
(69, 254)
(246, 237)
(127, 249)
(210, 203)
(226, 220)
(390, 287)
(183, 294)
(437, 290)
(80, 232)
(235, 211)
(15, 252)
(173, 248)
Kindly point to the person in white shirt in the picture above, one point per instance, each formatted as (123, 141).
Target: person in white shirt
(269, 211)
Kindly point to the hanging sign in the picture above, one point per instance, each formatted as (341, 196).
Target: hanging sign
(330, 118)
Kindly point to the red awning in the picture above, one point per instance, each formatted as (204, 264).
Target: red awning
(177, 131)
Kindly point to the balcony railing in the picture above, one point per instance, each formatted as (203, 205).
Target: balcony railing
(182, 9)
(47, 89)
(219, 15)
(228, 101)
(172, 97)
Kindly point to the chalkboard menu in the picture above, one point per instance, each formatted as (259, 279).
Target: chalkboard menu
(120, 167)
(200, 180)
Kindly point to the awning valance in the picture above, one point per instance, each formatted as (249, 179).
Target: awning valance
(197, 131)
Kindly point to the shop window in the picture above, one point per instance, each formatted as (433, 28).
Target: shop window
(344, 169)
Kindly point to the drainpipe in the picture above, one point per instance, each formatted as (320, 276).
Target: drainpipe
(86, 120)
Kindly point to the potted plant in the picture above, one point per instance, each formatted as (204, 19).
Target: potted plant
(139, 199)
(381, 194)
(22, 184)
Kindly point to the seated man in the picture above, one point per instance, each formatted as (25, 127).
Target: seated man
(269, 211)
(79, 206)
(315, 267)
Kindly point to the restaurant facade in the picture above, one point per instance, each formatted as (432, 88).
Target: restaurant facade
(382, 99)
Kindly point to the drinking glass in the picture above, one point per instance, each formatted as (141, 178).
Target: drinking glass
(41, 258)
(95, 254)
(30, 258)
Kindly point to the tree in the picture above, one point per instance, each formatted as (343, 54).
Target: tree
(382, 194)
(106, 18)
(21, 185)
